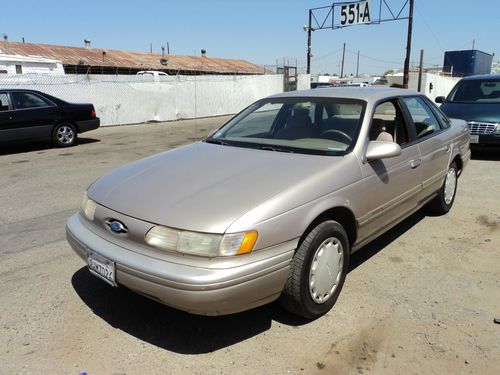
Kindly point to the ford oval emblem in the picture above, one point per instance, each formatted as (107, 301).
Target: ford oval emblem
(116, 226)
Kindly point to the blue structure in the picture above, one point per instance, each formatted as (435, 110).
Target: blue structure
(467, 63)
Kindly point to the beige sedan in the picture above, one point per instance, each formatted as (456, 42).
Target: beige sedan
(272, 205)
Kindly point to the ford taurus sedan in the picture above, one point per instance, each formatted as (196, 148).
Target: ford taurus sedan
(29, 115)
(272, 205)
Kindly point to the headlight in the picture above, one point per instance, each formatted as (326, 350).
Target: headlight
(88, 207)
(497, 130)
(204, 244)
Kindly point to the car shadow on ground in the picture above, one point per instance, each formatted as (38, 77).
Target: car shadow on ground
(184, 333)
(19, 148)
(486, 153)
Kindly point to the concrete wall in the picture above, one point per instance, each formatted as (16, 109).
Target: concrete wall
(303, 82)
(441, 85)
(137, 99)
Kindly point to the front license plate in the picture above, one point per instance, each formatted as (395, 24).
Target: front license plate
(474, 138)
(101, 267)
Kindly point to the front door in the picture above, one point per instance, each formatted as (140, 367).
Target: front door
(392, 185)
(34, 116)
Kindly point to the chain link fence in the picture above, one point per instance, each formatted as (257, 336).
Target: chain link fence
(125, 99)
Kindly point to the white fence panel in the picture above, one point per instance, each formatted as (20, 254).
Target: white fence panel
(136, 99)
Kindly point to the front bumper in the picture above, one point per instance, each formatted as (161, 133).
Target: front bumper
(251, 282)
(87, 125)
(487, 140)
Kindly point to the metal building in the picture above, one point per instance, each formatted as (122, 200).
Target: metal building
(88, 60)
(467, 63)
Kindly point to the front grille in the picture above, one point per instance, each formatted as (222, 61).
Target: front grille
(481, 127)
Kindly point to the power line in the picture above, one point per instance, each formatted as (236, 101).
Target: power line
(328, 54)
(374, 58)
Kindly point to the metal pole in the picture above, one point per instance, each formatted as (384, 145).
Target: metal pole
(357, 66)
(309, 32)
(342, 67)
(420, 70)
(406, 72)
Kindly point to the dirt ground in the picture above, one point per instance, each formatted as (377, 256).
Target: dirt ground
(419, 300)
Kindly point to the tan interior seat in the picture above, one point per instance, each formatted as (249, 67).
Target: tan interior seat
(378, 131)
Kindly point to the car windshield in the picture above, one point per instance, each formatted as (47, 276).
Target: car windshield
(322, 126)
(476, 91)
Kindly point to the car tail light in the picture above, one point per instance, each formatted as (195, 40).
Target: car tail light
(93, 114)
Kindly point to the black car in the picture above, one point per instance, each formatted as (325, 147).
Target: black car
(28, 115)
(476, 99)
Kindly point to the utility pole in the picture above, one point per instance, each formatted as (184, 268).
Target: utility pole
(473, 43)
(309, 32)
(357, 66)
(421, 68)
(342, 68)
(406, 72)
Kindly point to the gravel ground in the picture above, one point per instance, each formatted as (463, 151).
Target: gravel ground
(419, 300)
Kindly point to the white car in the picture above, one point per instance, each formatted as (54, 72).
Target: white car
(152, 73)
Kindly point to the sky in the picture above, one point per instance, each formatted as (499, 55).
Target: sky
(259, 31)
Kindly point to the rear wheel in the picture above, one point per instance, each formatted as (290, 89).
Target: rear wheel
(446, 195)
(64, 135)
(317, 271)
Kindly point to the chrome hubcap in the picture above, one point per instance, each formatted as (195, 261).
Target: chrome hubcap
(326, 270)
(65, 134)
(449, 185)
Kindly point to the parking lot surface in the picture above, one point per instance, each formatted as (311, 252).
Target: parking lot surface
(419, 300)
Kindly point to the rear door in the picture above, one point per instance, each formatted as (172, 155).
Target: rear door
(8, 131)
(34, 116)
(433, 141)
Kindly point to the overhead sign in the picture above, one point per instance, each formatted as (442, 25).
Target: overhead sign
(355, 13)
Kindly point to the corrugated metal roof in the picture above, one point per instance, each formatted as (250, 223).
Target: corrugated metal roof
(133, 60)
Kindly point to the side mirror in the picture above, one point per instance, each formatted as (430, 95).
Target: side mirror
(440, 99)
(382, 150)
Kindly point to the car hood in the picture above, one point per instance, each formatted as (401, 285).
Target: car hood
(472, 111)
(205, 187)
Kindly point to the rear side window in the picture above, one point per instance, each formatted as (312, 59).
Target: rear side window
(424, 120)
(4, 102)
(443, 119)
(24, 100)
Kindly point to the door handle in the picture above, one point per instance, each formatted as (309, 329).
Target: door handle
(415, 163)
(7, 118)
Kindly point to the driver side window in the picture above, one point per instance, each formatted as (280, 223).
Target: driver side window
(388, 124)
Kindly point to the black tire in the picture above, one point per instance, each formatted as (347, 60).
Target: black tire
(297, 296)
(64, 135)
(442, 203)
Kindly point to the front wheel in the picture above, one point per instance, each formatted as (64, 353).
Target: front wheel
(317, 271)
(446, 195)
(64, 135)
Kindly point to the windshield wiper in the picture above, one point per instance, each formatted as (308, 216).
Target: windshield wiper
(216, 142)
(271, 148)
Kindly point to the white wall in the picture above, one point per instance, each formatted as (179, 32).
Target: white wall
(137, 99)
(441, 85)
(303, 81)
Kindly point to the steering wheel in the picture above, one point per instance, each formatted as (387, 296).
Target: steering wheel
(336, 135)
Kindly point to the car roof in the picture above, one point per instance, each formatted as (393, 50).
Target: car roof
(22, 90)
(351, 92)
(481, 77)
